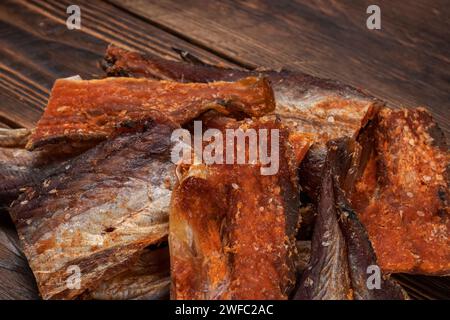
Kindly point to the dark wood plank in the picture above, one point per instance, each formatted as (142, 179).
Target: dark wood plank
(36, 48)
(406, 63)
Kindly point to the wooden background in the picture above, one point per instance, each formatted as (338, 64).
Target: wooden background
(406, 63)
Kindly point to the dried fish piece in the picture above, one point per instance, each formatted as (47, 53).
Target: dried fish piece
(232, 230)
(14, 138)
(319, 108)
(402, 198)
(101, 212)
(20, 167)
(88, 110)
(341, 252)
(323, 108)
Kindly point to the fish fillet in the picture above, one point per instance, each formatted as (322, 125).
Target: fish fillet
(100, 212)
(88, 110)
(319, 108)
(232, 230)
(402, 199)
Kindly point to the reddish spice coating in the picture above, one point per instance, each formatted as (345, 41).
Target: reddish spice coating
(402, 199)
(80, 110)
(231, 229)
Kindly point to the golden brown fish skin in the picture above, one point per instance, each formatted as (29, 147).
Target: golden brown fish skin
(230, 232)
(89, 110)
(406, 187)
(100, 212)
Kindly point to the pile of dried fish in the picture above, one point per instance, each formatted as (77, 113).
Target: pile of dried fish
(95, 196)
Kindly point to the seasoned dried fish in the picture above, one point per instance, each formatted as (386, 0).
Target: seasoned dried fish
(101, 212)
(341, 253)
(88, 110)
(232, 230)
(323, 108)
(320, 108)
(402, 199)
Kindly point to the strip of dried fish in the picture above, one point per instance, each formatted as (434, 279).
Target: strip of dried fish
(319, 108)
(20, 168)
(88, 110)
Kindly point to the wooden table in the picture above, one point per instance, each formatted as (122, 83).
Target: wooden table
(406, 63)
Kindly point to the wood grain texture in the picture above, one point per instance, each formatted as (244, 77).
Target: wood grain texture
(406, 63)
(36, 48)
